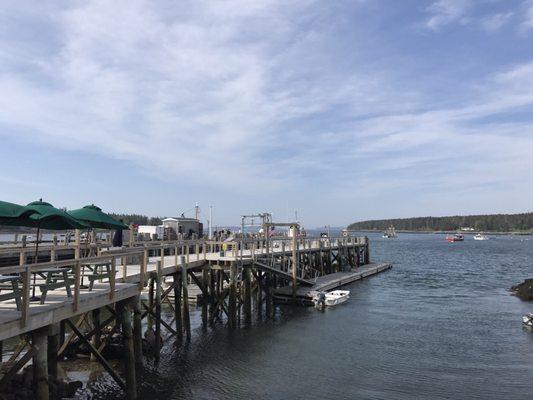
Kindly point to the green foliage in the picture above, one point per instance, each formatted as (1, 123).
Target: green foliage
(487, 223)
(137, 219)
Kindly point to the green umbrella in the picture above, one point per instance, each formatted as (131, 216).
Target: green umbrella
(11, 210)
(46, 216)
(95, 218)
(42, 215)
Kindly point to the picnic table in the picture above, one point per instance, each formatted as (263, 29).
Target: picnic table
(11, 282)
(99, 271)
(55, 278)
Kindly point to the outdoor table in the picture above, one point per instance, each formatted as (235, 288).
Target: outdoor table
(99, 271)
(54, 278)
(11, 282)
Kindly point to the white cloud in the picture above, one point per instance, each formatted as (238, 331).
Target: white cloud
(495, 22)
(527, 22)
(444, 12)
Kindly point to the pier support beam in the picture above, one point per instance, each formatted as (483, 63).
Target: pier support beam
(158, 283)
(247, 295)
(294, 264)
(53, 348)
(205, 296)
(137, 331)
(232, 302)
(177, 305)
(40, 364)
(124, 310)
(97, 337)
(186, 317)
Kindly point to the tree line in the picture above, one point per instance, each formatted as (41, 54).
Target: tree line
(488, 223)
(137, 219)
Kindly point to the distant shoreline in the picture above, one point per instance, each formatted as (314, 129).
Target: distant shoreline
(516, 233)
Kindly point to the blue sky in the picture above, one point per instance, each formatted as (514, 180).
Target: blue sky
(343, 110)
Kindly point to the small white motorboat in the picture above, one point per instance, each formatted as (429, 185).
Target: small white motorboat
(331, 298)
(479, 236)
(337, 297)
(527, 320)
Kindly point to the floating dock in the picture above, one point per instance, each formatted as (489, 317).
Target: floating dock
(325, 283)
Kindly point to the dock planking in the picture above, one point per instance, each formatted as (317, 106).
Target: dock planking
(329, 282)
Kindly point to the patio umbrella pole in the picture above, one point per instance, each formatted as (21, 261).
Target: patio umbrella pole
(35, 259)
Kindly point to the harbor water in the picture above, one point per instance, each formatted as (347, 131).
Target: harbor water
(439, 325)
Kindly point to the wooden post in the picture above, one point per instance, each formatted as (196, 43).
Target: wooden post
(137, 331)
(268, 290)
(232, 303)
(124, 261)
(53, 250)
(186, 316)
(53, 347)
(144, 268)
(40, 364)
(205, 296)
(77, 243)
(112, 278)
(247, 295)
(177, 305)
(212, 292)
(62, 332)
(97, 337)
(124, 310)
(158, 311)
(77, 285)
(26, 283)
(150, 319)
(132, 237)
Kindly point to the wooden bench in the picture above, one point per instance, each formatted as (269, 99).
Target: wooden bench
(55, 278)
(11, 282)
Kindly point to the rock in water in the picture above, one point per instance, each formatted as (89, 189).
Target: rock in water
(524, 290)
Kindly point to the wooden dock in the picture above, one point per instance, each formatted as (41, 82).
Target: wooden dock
(329, 282)
(229, 276)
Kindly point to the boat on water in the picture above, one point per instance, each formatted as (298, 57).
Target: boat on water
(527, 320)
(332, 298)
(390, 233)
(479, 236)
(455, 238)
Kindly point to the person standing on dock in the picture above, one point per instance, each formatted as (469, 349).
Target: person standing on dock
(117, 238)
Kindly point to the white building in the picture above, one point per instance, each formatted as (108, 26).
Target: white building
(183, 227)
(149, 232)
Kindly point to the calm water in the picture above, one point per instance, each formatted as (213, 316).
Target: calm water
(439, 325)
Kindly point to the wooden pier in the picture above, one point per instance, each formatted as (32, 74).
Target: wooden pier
(132, 284)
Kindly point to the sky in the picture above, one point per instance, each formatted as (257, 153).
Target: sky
(339, 110)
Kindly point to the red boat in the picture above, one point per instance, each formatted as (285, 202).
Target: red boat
(455, 238)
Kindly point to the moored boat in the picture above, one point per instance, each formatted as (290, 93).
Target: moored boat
(332, 298)
(390, 233)
(527, 319)
(455, 238)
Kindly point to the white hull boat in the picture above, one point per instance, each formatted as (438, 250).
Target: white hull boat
(479, 236)
(333, 298)
(527, 320)
(337, 297)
